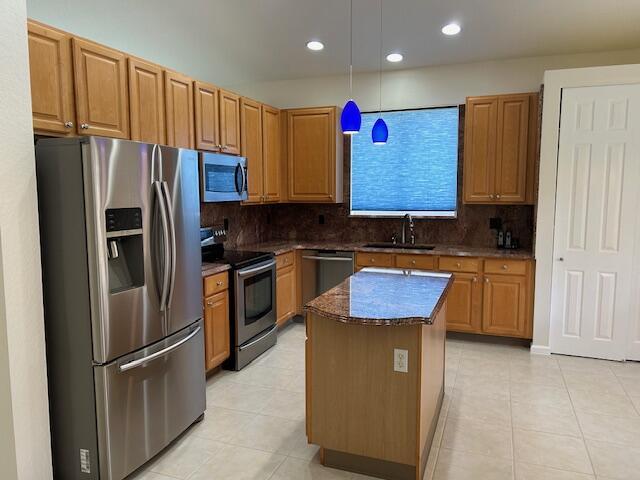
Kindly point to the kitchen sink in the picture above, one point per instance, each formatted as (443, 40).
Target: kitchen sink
(400, 245)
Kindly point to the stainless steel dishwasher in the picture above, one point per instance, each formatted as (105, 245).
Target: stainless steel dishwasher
(323, 270)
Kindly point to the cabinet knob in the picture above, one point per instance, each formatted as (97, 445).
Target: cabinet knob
(413, 262)
(219, 283)
(209, 303)
(492, 196)
(458, 264)
(372, 260)
(84, 126)
(505, 267)
(475, 279)
(486, 280)
(68, 124)
(498, 196)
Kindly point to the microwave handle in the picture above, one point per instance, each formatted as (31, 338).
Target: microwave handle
(244, 178)
(239, 189)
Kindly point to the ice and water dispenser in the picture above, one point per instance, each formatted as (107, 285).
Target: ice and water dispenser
(125, 248)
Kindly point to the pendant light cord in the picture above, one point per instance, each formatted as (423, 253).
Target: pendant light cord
(380, 67)
(351, 49)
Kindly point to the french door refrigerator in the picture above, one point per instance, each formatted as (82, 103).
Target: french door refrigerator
(119, 226)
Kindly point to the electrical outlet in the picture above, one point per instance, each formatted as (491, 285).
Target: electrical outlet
(400, 360)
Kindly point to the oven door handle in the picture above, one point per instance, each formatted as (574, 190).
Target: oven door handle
(261, 268)
(328, 259)
(253, 342)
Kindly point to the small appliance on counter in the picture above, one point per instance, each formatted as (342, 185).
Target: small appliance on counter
(223, 178)
(252, 289)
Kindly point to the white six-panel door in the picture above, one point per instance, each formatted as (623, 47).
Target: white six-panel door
(595, 284)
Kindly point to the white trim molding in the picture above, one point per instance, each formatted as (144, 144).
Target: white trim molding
(554, 82)
(540, 350)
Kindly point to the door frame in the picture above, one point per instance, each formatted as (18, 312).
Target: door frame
(554, 82)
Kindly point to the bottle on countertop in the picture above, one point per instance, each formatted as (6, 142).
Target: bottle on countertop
(507, 239)
(500, 239)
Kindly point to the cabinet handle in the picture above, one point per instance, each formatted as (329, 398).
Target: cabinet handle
(209, 303)
(219, 283)
(491, 196)
(372, 260)
(68, 124)
(413, 262)
(475, 279)
(458, 265)
(498, 196)
(505, 266)
(486, 280)
(84, 126)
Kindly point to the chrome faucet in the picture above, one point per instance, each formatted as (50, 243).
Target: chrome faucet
(411, 229)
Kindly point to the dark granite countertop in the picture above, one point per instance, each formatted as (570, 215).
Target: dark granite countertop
(280, 247)
(376, 296)
(211, 268)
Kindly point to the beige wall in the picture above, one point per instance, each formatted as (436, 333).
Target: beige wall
(25, 451)
(430, 86)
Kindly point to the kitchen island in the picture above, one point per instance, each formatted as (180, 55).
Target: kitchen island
(375, 356)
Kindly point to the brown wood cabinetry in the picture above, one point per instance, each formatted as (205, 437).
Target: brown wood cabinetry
(217, 343)
(51, 80)
(464, 303)
(179, 109)
(102, 97)
(146, 102)
(285, 287)
(505, 305)
(314, 155)
(251, 141)
(216, 329)
(500, 141)
(207, 113)
(229, 105)
(271, 139)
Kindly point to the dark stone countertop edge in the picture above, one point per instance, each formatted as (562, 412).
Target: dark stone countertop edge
(213, 268)
(278, 248)
(389, 322)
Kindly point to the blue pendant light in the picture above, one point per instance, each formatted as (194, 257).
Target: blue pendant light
(350, 119)
(379, 132)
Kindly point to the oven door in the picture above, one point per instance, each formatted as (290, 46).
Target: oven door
(255, 300)
(223, 178)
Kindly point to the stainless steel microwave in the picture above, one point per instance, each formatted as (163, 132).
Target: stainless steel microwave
(223, 178)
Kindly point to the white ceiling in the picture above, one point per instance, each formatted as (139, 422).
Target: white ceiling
(232, 42)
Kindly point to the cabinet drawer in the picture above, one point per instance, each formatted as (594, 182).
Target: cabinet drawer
(366, 259)
(424, 262)
(459, 264)
(285, 259)
(510, 267)
(216, 283)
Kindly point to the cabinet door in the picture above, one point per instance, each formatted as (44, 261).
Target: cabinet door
(480, 126)
(216, 329)
(505, 305)
(512, 148)
(102, 98)
(271, 152)
(311, 154)
(230, 122)
(285, 294)
(51, 80)
(207, 116)
(146, 102)
(251, 128)
(179, 99)
(464, 304)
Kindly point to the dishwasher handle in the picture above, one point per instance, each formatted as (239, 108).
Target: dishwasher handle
(327, 259)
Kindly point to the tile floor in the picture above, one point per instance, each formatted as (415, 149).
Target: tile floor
(507, 415)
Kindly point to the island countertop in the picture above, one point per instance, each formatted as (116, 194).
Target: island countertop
(375, 296)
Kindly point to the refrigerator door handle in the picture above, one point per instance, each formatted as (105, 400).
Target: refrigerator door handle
(166, 274)
(172, 233)
(160, 353)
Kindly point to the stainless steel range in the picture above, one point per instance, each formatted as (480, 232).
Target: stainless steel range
(252, 298)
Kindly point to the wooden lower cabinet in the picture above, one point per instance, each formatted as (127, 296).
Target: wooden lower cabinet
(505, 305)
(217, 344)
(285, 293)
(464, 303)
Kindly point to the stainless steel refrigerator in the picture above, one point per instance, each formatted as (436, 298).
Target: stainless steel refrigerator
(119, 226)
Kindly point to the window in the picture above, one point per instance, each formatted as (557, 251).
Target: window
(416, 171)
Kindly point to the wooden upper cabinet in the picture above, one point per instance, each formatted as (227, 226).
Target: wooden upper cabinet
(481, 116)
(314, 155)
(512, 148)
(229, 122)
(500, 148)
(271, 140)
(505, 304)
(207, 116)
(464, 303)
(251, 129)
(51, 80)
(146, 102)
(102, 99)
(179, 109)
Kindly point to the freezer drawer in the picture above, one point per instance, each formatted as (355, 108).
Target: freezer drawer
(146, 399)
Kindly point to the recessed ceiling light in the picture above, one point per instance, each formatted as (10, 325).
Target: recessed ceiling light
(394, 57)
(451, 29)
(315, 45)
